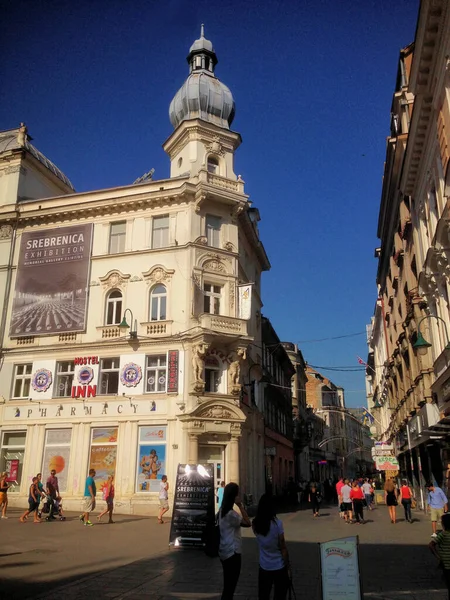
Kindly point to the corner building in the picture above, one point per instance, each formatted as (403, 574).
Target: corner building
(132, 315)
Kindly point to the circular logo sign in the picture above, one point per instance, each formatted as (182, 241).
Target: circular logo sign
(85, 375)
(41, 380)
(131, 375)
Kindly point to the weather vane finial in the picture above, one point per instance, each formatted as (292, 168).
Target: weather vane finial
(202, 30)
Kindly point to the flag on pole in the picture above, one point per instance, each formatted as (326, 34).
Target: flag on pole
(361, 362)
(367, 417)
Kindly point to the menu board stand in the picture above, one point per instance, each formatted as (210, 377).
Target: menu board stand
(193, 506)
(339, 569)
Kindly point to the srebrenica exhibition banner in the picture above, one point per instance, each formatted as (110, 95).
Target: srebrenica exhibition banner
(193, 506)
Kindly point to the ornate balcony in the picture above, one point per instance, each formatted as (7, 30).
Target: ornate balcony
(157, 328)
(223, 324)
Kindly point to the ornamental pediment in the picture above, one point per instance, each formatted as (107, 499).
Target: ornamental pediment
(114, 278)
(158, 274)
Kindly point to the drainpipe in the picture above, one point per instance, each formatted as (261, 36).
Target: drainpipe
(8, 285)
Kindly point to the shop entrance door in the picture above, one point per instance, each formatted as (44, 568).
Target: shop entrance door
(213, 455)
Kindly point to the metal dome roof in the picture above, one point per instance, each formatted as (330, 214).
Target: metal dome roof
(202, 95)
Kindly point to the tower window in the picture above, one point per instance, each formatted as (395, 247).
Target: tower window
(213, 165)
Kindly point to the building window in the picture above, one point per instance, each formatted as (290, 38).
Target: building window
(151, 459)
(114, 308)
(213, 374)
(158, 303)
(117, 233)
(11, 457)
(57, 454)
(22, 380)
(64, 379)
(213, 225)
(212, 296)
(156, 373)
(213, 165)
(109, 376)
(103, 455)
(160, 232)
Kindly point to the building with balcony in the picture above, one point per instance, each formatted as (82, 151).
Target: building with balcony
(131, 316)
(407, 389)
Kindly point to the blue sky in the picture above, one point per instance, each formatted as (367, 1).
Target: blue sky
(313, 83)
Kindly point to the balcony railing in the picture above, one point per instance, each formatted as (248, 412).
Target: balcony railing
(158, 328)
(223, 324)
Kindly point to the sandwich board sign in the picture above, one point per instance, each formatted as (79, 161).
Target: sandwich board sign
(339, 566)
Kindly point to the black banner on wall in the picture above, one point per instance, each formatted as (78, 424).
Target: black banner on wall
(193, 505)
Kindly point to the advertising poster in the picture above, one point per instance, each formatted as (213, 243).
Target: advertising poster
(151, 467)
(57, 459)
(340, 569)
(103, 460)
(193, 505)
(386, 463)
(52, 281)
(12, 468)
(104, 435)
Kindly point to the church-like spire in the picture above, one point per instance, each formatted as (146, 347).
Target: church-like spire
(201, 54)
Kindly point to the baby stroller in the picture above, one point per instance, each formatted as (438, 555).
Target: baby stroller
(57, 509)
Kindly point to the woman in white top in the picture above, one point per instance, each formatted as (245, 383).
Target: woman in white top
(230, 548)
(274, 569)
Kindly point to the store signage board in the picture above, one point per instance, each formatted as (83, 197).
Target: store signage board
(386, 463)
(193, 506)
(339, 565)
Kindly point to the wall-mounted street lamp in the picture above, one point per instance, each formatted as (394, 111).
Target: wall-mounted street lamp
(124, 324)
(421, 344)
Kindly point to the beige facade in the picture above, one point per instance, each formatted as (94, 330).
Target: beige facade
(413, 259)
(179, 262)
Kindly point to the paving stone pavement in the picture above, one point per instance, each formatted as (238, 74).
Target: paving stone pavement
(131, 559)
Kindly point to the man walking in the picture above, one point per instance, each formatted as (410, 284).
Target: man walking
(90, 492)
(437, 503)
(220, 490)
(163, 498)
(347, 501)
(52, 489)
(340, 484)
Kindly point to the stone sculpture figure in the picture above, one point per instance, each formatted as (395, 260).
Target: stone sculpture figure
(234, 370)
(198, 362)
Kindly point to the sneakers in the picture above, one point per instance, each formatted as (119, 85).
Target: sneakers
(81, 518)
(88, 524)
(434, 535)
(3, 517)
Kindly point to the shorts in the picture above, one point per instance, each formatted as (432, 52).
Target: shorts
(347, 506)
(436, 513)
(32, 505)
(110, 503)
(164, 503)
(3, 497)
(89, 504)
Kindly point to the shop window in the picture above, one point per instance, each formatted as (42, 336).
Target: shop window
(156, 373)
(57, 455)
(64, 379)
(212, 298)
(103, 455)
(151, 458)
(114, 308)
(160, 232)
(22, 380)
(11, 457)
(213, 165)
(109, 376)
(213, 374)
(117, 236)
(213, 225)
(158, 303)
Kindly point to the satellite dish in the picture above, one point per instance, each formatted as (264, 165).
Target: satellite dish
(145, 177)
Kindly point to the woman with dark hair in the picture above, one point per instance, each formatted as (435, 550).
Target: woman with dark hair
(230, 548)
(406, 496)
(274, 569)
(314, 499)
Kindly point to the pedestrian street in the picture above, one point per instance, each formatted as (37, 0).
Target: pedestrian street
(131, 559)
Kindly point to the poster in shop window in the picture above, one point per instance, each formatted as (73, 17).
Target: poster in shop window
(103, 460)
(50, 294)
(193, 506)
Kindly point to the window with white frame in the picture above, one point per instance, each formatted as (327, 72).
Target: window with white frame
(64, 379)
(117, 236)
(213, 165)
(213, 225)
(114, 308)
(160, 232)
(158, 303)
(213, 374)
(57, 454)
(156, 373)
(109, 376)
(22, 380)
(212, 298)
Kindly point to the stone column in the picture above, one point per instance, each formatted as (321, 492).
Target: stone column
(193, 449)
(232, 468)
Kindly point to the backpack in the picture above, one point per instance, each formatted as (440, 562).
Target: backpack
(212, 537)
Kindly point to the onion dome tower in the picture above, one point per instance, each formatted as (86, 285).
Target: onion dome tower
(201, 113)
